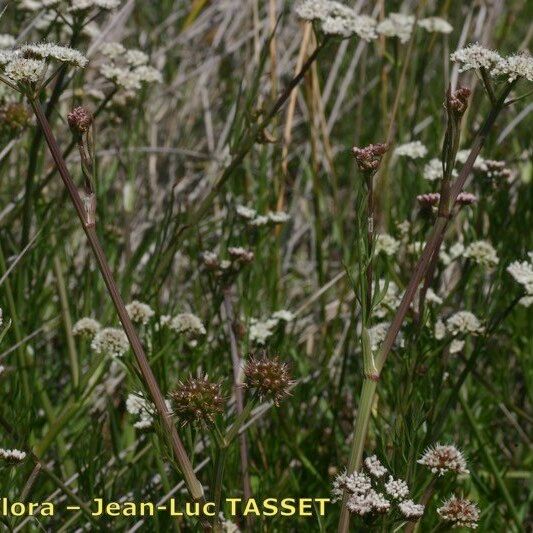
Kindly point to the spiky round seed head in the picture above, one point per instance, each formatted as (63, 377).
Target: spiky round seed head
(80, 120)
(269, 377)
(197, 400)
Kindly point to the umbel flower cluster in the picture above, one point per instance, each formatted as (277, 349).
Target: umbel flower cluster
(72, 6)
(26, 67)
(12, 457)
(476, 57)
(374, 491)
(522, 273)
(335, 18)
(128, 69)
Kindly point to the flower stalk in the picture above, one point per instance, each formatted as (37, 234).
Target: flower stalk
(88, 223)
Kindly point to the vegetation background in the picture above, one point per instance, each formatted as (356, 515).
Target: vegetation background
(160, 155)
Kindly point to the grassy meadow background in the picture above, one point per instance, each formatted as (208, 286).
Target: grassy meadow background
(165, 199)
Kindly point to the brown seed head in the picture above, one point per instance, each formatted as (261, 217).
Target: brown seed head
(80, 120)
(269, 377)
(197, 400)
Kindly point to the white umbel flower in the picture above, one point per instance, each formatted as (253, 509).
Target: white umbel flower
(374, 466)
(278, 217)
(313, 9)
(514, 67)
(355, 483)
(110, 341)
(139, 312)
(397, 25)
(83, 5)
(86, 327)
(284, 315)
(443, 458)
(397, 489)
(136, 58)
(456, 346)
(260, 331)
(22, 70)
(56, 52)
(435, 25)
(464, 322)
(522, 272)
(12, 456)
(387, 244)
(245, 212)
(411, 510)
(413, 150)
(112, 50)
(350, 24)
(475, 56)
(188, 324)
(440, 330)
(482, 253)
(372, 501)
(460, 512)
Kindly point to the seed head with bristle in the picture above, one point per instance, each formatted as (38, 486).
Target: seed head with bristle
(269, 377)
(197, 400)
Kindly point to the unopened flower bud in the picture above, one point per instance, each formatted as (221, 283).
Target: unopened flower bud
(458, 100)
(79, 120)
(466, 198)
(428, 200)
(369, 157)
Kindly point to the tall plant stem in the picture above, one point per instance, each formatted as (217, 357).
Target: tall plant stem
(358, 443)
(193, 485)
(431, 247)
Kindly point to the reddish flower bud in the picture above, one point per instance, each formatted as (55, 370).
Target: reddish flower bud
(466, 198)
(428, 200)
(80, 120)
(369, 157)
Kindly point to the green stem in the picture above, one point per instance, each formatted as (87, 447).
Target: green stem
(358, 444)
